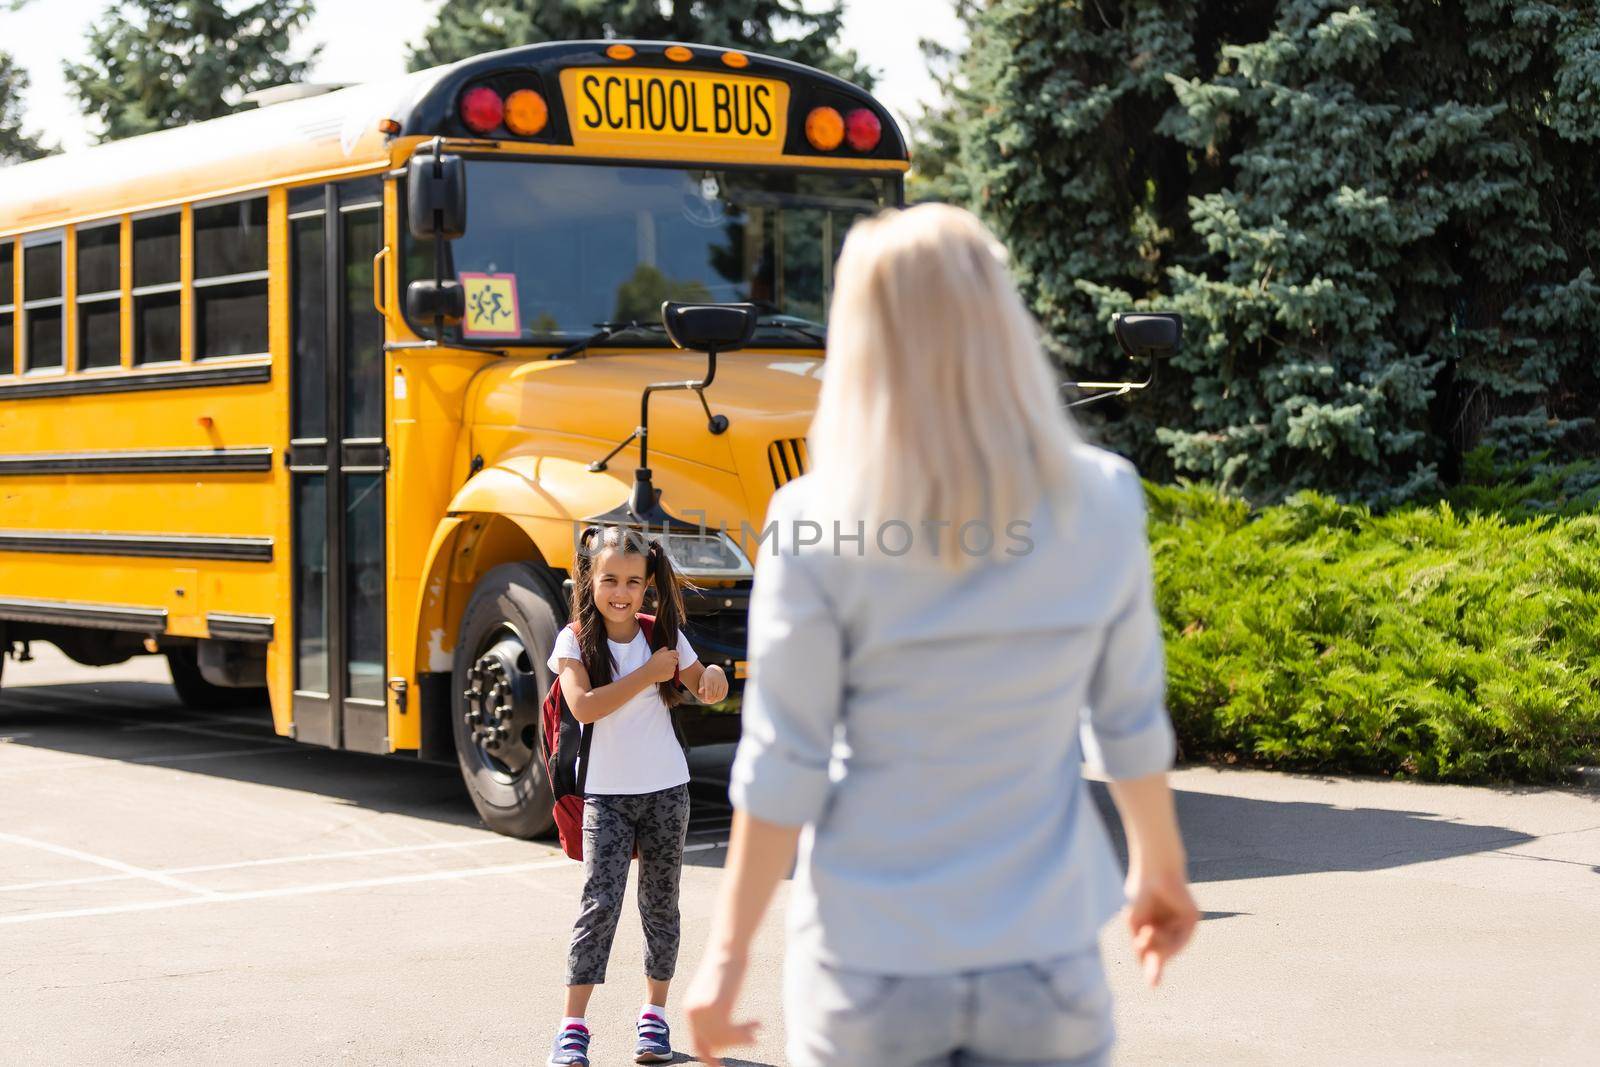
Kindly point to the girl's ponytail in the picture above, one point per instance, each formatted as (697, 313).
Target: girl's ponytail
(669, 611)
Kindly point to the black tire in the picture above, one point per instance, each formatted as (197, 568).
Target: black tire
(195, 692)
(498, 682)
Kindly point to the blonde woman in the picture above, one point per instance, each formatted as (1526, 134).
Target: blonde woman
(959, 585)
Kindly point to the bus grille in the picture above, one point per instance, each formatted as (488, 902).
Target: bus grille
(788, 458)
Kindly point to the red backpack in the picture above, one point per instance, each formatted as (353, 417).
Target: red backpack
(567, 742)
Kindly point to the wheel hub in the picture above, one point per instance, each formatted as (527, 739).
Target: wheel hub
(501, 706)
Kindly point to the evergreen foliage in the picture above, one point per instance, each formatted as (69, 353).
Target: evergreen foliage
(804, 32)
(1423, 642)
(1381, 222)
(16, 145)
(156, 64)
(936, 173)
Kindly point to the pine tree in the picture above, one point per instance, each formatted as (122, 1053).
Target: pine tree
(1379, 221)
(809, 32)
(16, 145)
(1065, 156)
(155, 64)
(936, 173)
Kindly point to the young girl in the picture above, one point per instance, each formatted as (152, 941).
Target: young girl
(636, 789)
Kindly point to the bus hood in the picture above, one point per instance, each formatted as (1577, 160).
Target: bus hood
(584, 407)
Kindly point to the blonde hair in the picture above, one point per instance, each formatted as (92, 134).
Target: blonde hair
(937, 403)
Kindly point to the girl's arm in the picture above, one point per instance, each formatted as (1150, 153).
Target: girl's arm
(707, 683)
(710, 684)
(760, 855)
(591, 705)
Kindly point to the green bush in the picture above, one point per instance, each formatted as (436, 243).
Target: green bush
(1423, 642)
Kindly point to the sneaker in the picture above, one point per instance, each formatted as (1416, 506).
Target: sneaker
(655, 1040)
(571, 1048)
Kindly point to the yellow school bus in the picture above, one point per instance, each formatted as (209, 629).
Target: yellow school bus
(312, 398)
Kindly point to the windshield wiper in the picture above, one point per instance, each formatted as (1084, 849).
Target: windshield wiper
(771, 312)
(606, 331)
(793, 328)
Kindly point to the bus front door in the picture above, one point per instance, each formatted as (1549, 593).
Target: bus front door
(338, 463)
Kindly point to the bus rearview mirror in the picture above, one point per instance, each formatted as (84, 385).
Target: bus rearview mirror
(431, 301)
(709, 327)
(1148, 333)
(436, 197)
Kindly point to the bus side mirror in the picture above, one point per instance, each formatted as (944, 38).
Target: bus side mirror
(1148, 333)
(433, 301)
(709, 328)
(436, 197)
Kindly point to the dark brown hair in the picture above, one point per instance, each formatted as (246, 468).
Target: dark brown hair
(592, 625)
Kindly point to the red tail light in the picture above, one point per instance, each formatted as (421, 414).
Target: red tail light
(482, 109)
(862, 130)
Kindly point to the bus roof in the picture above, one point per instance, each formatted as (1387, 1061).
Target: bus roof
(336, 133)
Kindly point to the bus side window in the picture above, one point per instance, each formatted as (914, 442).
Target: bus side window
(230, 278)
(8, 296)
(157, 288)
(99, 291)
(43, 273)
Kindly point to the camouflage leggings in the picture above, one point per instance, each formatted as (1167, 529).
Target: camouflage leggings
(659, 822)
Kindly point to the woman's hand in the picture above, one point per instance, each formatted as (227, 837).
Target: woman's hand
(1161, 913)
(760, 854)
(713, 685)
(662, 665)
(1161, 918)
(708, 1006)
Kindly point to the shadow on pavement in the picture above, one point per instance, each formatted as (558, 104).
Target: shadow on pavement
(142, 722)
(1228, 837)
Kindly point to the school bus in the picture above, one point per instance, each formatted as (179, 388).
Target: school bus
(311, 399)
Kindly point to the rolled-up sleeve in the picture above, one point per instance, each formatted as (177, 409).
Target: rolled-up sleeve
(791, 703)
(1127, 733)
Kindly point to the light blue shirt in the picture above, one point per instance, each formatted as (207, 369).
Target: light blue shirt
(928, 727)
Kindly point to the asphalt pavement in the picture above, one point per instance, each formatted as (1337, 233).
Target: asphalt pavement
(186, 887)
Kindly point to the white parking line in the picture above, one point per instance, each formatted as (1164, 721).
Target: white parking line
(100, 761)
(286, 891)
(102, 861)
(205, 720)
(268, 862)
(351, 854)
(222, 754)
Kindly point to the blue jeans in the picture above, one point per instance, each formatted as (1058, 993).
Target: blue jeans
(1051, 1013)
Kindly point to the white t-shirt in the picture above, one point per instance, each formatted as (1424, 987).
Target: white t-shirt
(633, 749)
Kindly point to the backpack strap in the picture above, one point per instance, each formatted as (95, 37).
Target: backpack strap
(647, 623)
(585, 731)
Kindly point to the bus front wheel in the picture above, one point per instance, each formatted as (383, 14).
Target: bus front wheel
(499, 680)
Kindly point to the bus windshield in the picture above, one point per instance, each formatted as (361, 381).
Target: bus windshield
(554, 250)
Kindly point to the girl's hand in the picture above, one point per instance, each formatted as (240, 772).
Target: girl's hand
(662, 665)
(713, 685)
(1161, 918)
(708, 1007)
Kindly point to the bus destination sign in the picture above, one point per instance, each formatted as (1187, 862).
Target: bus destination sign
(665, 105)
